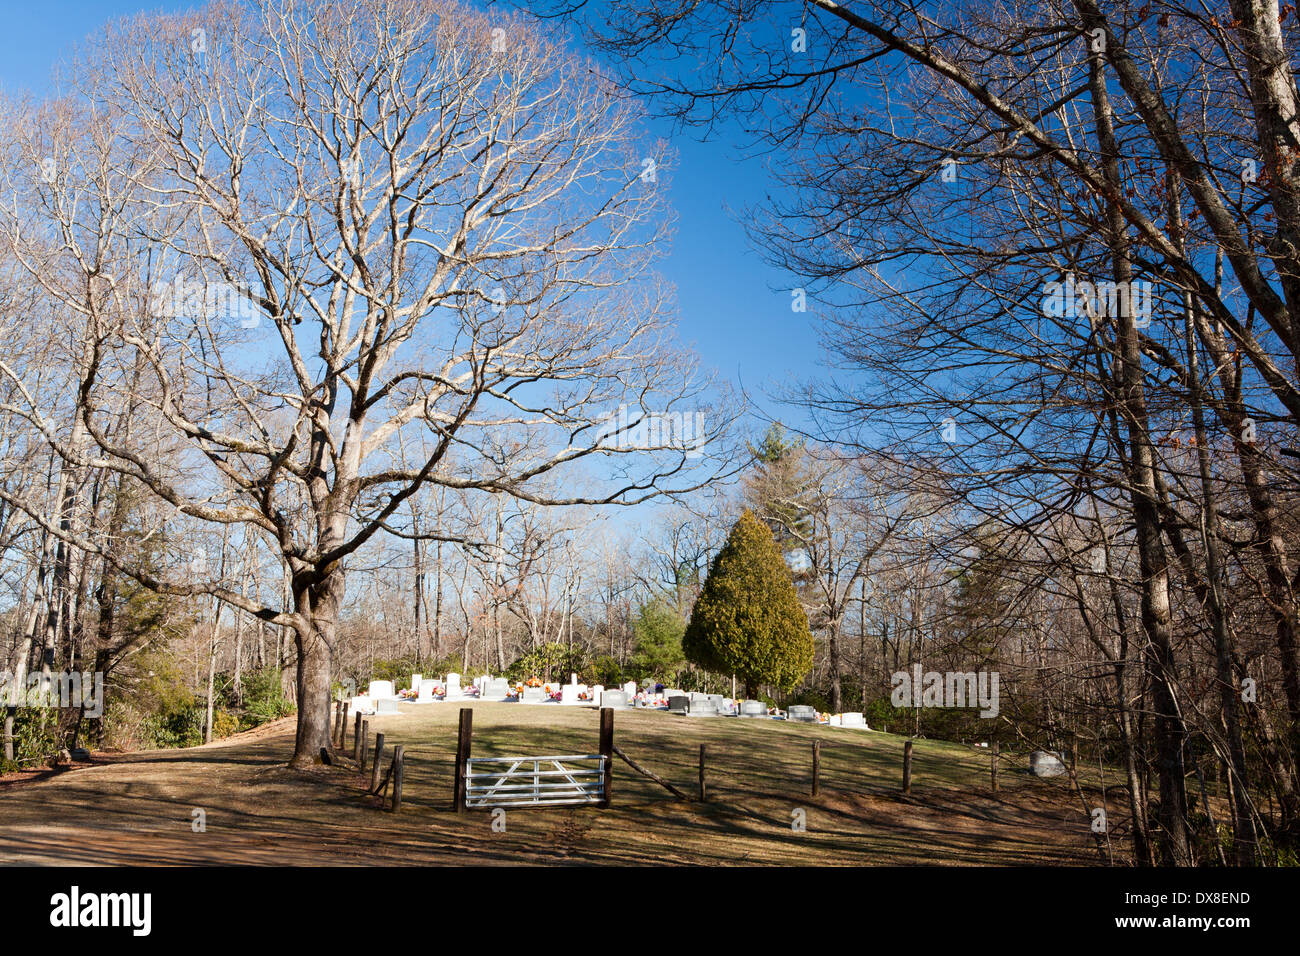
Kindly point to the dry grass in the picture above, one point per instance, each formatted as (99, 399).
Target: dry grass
(137, 808)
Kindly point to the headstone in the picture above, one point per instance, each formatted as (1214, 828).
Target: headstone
(361, 704)
(717, 701)
(495, 688)
(427, 689)
(569, 694)
(380, 688)
(630, 689)
(672, 692)
(703, 706)
(802, 712)
(853, 720)
(453, 690)
(727, 708)
(1044, 763)
(573, 679)
(679, 704)
(386, 705)
(753, 708)
(616, 699)
(534, 695)
(596, 693)
(415, 681)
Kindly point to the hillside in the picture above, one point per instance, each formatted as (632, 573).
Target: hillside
(138, 808)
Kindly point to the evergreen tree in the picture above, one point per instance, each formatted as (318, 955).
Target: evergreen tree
(776, 488)
(748, 620)
(658, 629)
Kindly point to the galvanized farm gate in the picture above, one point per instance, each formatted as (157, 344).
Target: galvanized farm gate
(575, 779)
(535, 781)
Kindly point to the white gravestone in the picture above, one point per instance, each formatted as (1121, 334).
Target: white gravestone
(569, 694)
(630, 689)
(596, 693)
(415, 681)
(453, 687)
(380, 689)
(427, 689)
(1044, 763)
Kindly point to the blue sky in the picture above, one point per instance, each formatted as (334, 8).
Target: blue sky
(732, 308)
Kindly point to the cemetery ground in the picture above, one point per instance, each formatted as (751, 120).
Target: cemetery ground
(139, 808)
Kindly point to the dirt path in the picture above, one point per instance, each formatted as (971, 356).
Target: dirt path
(140, 808)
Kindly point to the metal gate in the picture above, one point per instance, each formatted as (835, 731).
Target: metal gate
(534, 781)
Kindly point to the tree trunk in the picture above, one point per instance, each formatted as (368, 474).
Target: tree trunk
(1171, 733)
(833, 645)
(318, 605)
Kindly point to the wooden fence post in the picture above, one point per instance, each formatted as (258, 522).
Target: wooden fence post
(464, 746)
(399, 766)
(607, 752)
(907, 766)
(356, 736)
(379, 756)
(338, 710)
(817, 766)
(704, 793)
(993, 766)
(343, 726)
(365, 744)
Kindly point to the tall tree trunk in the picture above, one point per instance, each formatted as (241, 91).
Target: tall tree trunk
(833, 645)
(1171, 733)
(18, 665)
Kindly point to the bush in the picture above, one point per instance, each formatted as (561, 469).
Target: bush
(263, 699)
(36, 738)
(396, 669)
(224, 723)
(606, 671)
(176, 727)
(552, 662)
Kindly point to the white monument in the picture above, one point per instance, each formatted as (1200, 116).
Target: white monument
(453, 691)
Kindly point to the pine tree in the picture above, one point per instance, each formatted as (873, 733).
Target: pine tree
(777, 487)
(748, 620)
(658, 630)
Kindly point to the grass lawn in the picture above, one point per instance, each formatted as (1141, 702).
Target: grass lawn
(138, 808)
